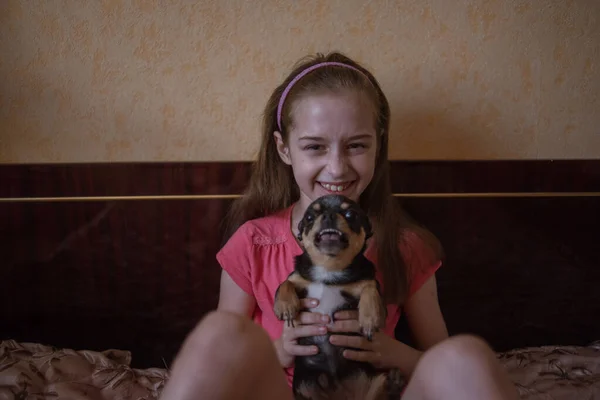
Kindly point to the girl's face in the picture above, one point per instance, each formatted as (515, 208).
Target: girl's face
(332, 145)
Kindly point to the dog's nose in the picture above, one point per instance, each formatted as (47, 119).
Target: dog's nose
(328, 217)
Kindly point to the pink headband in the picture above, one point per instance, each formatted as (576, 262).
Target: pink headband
(302, 74)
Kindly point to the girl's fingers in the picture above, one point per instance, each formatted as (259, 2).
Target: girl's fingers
(357, 342)
(308, 318)
(346, 314)
(350, 325)
(298, 350)
(305, 331)
(309, 302)
(366, 356)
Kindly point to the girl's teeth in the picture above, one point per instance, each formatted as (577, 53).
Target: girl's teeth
(333, 188)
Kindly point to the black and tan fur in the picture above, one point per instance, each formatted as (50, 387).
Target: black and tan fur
(333, 269)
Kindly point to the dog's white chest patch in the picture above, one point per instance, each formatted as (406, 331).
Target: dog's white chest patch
(330, 298)
(320, 274)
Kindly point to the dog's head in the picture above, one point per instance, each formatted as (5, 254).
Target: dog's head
(334, 230)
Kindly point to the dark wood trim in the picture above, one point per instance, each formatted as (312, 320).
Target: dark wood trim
(226, 178)
(139, 275)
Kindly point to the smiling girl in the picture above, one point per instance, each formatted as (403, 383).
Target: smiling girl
(326, 130)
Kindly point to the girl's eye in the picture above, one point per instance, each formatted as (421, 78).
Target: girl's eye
(357, 146)
(313, 147)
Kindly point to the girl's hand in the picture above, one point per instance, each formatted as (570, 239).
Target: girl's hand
(306, 324)
(382, 352)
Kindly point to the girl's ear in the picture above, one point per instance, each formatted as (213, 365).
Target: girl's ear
(282, 148)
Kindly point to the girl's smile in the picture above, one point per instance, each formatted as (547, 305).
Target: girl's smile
(337, 187)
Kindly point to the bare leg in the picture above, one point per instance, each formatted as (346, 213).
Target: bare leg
(462, 367)
(227, 356)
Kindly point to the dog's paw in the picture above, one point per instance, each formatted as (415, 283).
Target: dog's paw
(287, 304)
(371, 316)
(287, 309)
(369, 324)
(368, 332)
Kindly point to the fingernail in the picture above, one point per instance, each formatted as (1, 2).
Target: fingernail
(313, 302)
(325, 318)
(315, 350)
(322, 329)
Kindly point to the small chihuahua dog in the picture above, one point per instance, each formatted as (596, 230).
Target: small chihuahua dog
(333, 269)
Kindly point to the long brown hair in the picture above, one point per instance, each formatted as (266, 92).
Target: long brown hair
(272, 186)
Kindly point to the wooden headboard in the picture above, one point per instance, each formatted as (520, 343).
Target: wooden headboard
(98, 256)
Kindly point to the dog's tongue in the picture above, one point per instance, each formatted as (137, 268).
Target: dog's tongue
(330, 237)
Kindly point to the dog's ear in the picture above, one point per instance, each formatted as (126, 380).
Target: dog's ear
(305, 223)
(300, 229)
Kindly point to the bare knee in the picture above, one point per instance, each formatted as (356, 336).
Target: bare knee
(464, 365)
(461, 354)
(219, 326)
(221, 331)
(461, 349)
(223, 357)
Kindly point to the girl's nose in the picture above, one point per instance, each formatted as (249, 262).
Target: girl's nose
(337, 166)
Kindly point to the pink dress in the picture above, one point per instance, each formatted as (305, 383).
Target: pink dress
(260, 255)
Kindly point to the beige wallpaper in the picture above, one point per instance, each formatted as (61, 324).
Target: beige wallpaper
(142, 80)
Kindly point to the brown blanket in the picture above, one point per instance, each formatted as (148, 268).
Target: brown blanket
(35, 371)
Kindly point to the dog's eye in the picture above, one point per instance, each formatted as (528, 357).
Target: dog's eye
(350, 215)
(309, 218)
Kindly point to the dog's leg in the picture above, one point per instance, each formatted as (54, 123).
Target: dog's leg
(287, 303)
(371, 309)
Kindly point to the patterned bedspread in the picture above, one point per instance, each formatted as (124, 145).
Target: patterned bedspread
(555, 372)
(35, 371)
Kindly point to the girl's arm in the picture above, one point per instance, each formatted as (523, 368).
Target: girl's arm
(233, 299)
(425, 317)
(426, 323)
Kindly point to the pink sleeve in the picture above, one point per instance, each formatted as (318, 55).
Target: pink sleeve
(235, 257)
(421, 261)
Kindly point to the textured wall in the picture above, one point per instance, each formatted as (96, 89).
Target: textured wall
(172, 80)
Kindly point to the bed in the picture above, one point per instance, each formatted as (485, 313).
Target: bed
(106, 268)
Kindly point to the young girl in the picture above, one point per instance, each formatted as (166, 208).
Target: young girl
(326, 130)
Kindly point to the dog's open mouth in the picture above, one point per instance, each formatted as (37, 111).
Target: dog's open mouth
(331, 237)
